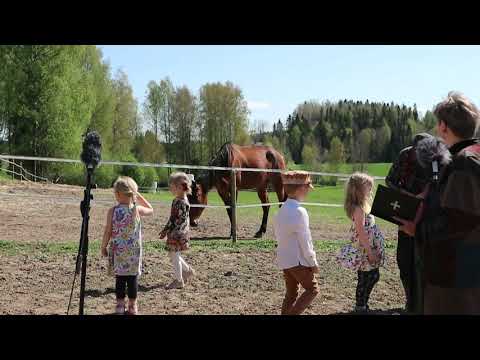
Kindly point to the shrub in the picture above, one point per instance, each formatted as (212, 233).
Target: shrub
(71, 174)
(137, 173)
(105, 175)
(150, 175)
(162, 176)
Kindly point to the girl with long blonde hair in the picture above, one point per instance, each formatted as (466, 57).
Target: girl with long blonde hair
(124, 234)
(365, 253)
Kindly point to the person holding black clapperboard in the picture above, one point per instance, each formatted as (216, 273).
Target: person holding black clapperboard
(450, 224)
(407, 176)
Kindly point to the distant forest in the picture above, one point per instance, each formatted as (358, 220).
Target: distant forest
(346, 131)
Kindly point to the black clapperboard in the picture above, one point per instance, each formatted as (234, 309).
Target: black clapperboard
(389, 203)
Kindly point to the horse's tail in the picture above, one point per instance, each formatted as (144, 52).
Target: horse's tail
(276, 159)
(272, 159)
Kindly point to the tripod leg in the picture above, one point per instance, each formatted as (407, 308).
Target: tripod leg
(77, 265)
(84, 266)
(71, 292)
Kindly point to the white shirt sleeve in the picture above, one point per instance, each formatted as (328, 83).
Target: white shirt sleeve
(305, 239)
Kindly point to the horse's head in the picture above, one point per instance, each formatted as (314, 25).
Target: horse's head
(198, 197)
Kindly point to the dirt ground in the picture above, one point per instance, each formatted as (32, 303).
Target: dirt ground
(227, 282)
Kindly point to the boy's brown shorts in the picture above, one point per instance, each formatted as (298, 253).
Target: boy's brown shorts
(302, 275)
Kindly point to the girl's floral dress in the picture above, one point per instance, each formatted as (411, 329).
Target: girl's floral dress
(125, 253)
(351, 255)
(178, 226)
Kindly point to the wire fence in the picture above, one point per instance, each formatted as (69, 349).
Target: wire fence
(177, 166)
(233, 206)
(20, 171)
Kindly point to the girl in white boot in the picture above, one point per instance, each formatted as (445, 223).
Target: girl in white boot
(177, 229)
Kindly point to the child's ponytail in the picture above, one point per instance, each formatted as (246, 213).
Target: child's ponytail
(126, 185)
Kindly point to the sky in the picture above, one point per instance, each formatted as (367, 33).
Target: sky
(276, 78)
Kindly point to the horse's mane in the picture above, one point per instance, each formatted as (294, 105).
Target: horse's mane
(221, 159)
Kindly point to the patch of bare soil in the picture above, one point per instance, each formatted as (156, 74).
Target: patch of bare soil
(226, 283)
(244, 282)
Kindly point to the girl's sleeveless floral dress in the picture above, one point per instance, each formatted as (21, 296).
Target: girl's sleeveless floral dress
(125, 252)
(352, 257)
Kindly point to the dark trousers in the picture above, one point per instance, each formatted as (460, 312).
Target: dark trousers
(365, 284)
(418, 281)
(408, 260)
(124, 282)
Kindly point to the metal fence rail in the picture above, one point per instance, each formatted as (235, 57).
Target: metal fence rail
(234, 206)
(175, 166)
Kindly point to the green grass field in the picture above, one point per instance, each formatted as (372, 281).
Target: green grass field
(374, 169)
(321, 194)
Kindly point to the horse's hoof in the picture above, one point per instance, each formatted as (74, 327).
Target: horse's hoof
(259, 235)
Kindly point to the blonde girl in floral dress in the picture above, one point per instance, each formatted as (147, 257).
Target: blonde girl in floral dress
(366, 252)
(177, 229)
(123, 232)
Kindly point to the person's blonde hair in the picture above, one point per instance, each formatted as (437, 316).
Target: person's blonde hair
(125, 185)
(181, 178)
(355, 195)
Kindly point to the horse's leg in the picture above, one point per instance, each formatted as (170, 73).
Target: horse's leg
(228, 199)
(263, 195)
(224, 192)
(278, 186)
(238, 182)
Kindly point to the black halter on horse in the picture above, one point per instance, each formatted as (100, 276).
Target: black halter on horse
(221, 159)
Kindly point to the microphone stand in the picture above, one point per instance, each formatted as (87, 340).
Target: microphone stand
(83, 245)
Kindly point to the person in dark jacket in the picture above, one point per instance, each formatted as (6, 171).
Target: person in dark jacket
(407, 176)
(451, 219)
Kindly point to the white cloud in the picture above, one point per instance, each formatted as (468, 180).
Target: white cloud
(258, 105)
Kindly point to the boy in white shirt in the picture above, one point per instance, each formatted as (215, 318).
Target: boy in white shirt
(295, 253)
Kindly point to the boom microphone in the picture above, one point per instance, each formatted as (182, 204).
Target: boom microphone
(432, 153)
(92, 147)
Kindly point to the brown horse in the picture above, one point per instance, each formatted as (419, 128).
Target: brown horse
(231, 155)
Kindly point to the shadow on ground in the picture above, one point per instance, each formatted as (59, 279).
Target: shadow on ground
(223, 238)
(95, 293)
(397, 311)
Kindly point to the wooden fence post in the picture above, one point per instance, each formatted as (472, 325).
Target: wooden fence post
(233, 204)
